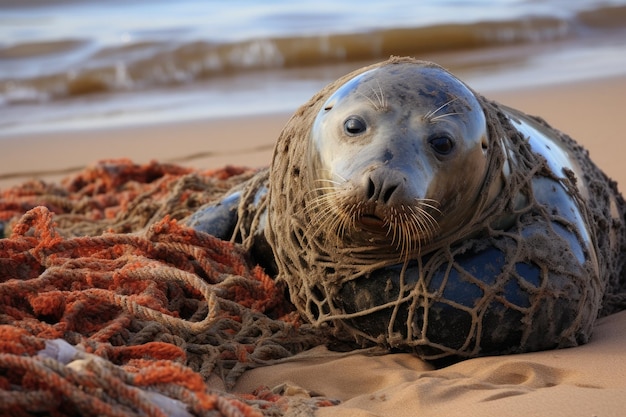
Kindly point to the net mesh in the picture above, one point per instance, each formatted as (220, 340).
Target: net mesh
(110, 306)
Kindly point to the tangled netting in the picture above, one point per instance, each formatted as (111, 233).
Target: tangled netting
(323, 269)
(109, 306)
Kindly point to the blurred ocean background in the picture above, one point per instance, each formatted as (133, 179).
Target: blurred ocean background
(67, 64)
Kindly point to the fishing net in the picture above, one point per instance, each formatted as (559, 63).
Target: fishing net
(110, 306)
(526, 298)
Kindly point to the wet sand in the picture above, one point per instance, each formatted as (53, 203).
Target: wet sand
(589, 111)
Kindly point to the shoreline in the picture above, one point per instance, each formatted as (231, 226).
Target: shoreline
(587, 110)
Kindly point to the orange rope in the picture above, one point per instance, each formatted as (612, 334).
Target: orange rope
(148, 307)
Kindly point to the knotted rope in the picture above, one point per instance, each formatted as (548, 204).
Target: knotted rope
(110, 306)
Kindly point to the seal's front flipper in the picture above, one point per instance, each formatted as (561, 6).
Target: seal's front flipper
(218, 219)
(240, 217)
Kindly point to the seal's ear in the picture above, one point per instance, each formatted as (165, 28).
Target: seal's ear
(332, 101)
(345, 89)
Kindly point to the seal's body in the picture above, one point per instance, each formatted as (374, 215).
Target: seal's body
(404, 209)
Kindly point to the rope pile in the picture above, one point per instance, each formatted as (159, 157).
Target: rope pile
(110, 306)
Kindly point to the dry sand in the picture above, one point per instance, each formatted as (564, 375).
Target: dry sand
(585, 381)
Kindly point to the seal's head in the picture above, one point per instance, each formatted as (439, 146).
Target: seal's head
(399, 155)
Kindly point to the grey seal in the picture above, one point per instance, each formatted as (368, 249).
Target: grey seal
(404, 209)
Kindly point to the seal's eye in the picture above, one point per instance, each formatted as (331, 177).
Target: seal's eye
(443, 145)
(354, 126)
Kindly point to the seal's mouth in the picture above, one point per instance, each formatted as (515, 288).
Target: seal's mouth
(374, 224)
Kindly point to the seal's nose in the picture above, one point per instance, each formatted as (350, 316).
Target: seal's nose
(384, 187)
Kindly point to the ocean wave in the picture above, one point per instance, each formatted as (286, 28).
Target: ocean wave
(145, 65)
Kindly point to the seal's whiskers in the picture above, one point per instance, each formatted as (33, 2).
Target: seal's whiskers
(332, 214)
(372, 102)
(431, 225)
(380, 96)
(379, 102)
(430, 115)
(409, 226)
(441, 116)
(329, 212)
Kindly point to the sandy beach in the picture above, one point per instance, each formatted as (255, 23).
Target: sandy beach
(109, 306)
(584, 381)
(589, 111)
